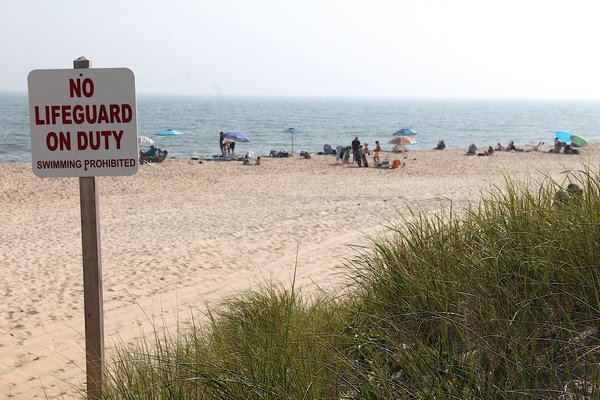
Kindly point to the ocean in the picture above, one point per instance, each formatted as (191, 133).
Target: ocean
(333, 121)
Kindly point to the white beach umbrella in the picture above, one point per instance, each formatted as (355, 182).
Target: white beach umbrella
(145, 139)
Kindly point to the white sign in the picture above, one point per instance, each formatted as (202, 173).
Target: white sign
(83, 122)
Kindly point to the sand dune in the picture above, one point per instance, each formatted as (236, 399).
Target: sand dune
(179, 234)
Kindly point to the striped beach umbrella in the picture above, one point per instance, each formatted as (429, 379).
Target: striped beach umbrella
(403, 140)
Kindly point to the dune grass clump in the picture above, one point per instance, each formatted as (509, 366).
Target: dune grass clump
(268, 344)
(502, 303)
(499, 302)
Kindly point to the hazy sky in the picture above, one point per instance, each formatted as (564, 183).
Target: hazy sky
(399, 48)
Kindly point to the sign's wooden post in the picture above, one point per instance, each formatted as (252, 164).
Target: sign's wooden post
(83, 124)
(92, 278)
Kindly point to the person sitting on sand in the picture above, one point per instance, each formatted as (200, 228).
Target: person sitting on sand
(440, 146)
(499, 147)
(511, 147)
(399, 148)
(248, 157)
(569, 150)
(537, 146)
(472, 150)
(557, 146)
(151, 152)
(162, 154)
(305, 154)
(488, 152)
(258, 162)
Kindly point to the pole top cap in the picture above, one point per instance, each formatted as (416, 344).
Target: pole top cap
(81, 62)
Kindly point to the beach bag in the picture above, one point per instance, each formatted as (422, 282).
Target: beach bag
(327, 149)
(396, 164)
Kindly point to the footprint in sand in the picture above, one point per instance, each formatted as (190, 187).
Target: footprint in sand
(25, 358)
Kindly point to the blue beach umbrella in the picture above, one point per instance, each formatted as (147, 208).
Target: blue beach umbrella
(236, 136)
(405, 132)
(169, 133)
(292, 132)
(570, 138)
(563, 136)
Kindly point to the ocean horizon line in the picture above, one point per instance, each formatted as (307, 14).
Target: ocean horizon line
(348, 97)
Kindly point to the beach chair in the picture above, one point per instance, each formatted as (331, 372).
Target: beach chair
(384, 163)
(148, 159)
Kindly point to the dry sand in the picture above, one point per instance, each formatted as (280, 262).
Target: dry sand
(179, 234)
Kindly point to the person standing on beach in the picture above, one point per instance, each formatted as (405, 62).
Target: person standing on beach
(355, 147)
(222, 143)
(346, 159)
(377, 153)
(366, 153)
(360, 156)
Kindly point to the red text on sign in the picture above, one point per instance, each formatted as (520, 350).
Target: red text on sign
(76, 87)
(93, 140)
(58, 141)
(80, 114)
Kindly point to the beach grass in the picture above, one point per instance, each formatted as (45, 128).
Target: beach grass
(499, 302)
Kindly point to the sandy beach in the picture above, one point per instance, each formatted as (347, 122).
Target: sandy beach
(181, 234)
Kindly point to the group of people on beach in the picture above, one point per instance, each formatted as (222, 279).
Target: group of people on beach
(227, 146)
(558, 145)
(566, 148)
(472, 150)
(152, 155)
(249, 158)
(360, 153)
